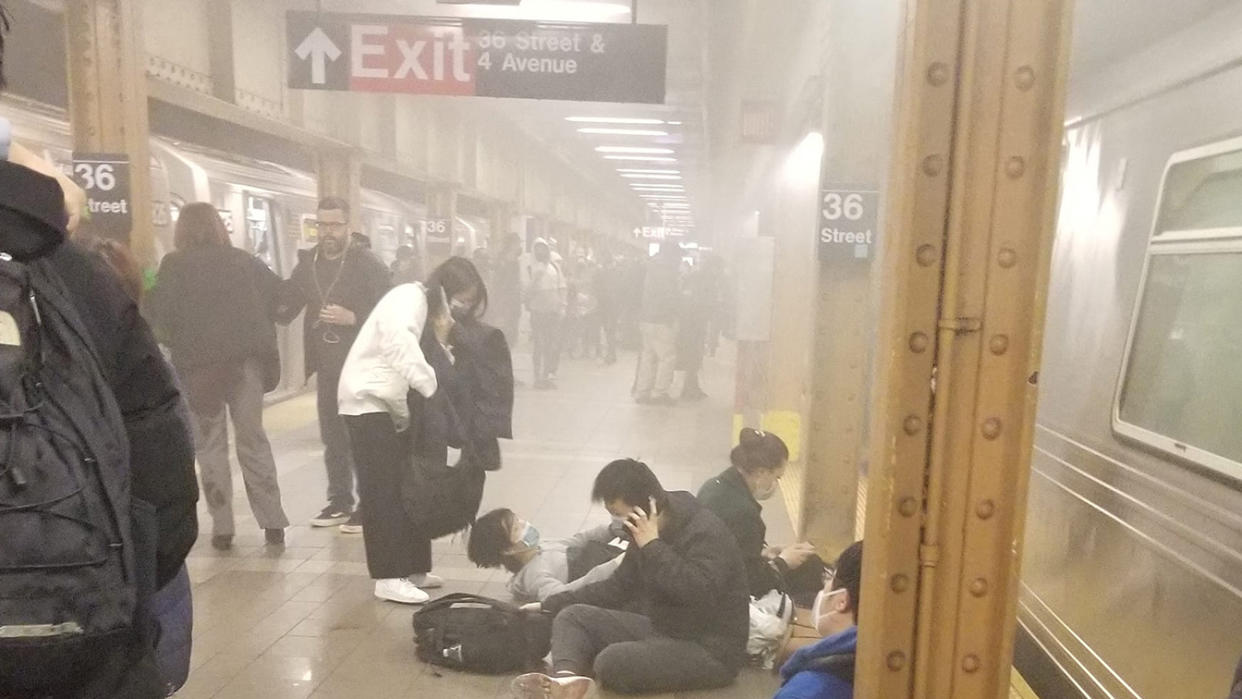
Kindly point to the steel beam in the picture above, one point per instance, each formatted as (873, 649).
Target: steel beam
(973, 191)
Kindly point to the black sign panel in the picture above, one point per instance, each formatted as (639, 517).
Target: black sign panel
(848, 220)
(105, 178)
(477, 57)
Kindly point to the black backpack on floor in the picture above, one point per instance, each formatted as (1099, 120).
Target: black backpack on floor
(69, 584)
(480, 634)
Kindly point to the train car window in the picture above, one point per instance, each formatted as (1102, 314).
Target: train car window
(1181, 388)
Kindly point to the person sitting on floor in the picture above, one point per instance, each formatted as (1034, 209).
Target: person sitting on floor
(683, 568)
(825, 670)
(736, 496)
(541, 568)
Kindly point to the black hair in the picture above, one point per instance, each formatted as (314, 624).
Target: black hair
(757, 450)
(631, 482)
(334, 203)
(489, 540)
(848, 575)
(455, 275)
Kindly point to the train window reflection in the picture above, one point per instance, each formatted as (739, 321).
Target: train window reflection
(1182, 381)
(1181, 390)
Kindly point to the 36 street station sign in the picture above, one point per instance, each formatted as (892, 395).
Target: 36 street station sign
(477, 57)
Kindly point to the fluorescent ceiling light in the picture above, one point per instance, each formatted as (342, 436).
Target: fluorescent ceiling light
(632, 149)
(648, 172)
(673, 123)
(662, 197)
(611, 120)
(652, 177)
(644, 158)
(650, 188)
(622, 132)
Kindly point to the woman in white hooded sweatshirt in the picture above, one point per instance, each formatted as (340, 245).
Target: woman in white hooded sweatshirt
(384, 364)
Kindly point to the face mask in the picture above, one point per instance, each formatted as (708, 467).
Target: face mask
(816, 608)
(765, 492)
(530, 536)
(459, 309)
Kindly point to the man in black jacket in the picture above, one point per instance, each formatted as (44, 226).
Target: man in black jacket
(338, 284)
(156, 423)
(682, 569)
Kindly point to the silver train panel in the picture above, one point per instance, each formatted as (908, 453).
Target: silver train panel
(1132, 571)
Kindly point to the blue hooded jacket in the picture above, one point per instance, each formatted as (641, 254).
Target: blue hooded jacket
(803, 682)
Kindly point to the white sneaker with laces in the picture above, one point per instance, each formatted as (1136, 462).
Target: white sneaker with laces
(400, 590)
(427, 581)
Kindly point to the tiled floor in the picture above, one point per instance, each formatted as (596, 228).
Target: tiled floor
(302, 622)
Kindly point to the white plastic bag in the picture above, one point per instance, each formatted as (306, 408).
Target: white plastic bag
(770, 617)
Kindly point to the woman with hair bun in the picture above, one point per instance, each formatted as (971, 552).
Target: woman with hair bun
(758, 462)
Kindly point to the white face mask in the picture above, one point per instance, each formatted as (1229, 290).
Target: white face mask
(817, 608)
(766, 492)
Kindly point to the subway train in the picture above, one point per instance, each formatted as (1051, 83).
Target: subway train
(268, 208)
(1132, 569)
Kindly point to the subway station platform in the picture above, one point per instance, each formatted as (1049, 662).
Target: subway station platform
(302, 621)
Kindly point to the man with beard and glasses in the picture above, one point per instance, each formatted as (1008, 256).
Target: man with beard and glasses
(338, 284)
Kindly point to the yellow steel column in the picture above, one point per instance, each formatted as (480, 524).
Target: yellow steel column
(108, 98)
(973, 191)
(340, 175)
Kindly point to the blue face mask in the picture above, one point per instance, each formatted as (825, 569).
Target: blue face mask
(530, 536)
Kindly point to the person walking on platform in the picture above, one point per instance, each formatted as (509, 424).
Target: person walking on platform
(386, 363)
(658, 324)
(214, 305)
(338, 284)
(683, 568)
(547, 299)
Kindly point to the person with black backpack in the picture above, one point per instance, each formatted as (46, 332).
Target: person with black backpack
(85, 386)
(215, 305)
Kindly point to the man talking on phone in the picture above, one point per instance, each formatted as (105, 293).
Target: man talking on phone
(682, 569)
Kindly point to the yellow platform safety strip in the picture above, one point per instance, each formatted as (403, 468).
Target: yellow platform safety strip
(1018, 688)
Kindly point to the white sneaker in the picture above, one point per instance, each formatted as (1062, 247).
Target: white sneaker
(536, 685)
(427, 581)
(400, 590)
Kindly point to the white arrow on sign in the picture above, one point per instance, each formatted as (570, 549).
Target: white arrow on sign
(320, 49)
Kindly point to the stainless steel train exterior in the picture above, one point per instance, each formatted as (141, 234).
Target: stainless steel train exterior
(268, 208)
(1132, 570)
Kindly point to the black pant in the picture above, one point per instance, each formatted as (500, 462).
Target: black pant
(623, 652)
(336, 453)
(395, 549)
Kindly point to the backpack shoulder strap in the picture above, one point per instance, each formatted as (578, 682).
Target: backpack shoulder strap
(840, 665)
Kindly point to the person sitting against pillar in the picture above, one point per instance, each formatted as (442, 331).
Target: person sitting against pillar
(683, 568)
(541, 569)
(825, 670)
(735, 496)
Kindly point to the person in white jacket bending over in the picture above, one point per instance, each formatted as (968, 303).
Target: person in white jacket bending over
(385, 362)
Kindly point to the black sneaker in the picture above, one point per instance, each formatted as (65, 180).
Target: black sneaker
(354, 525)
(274, 537)
(330, 517)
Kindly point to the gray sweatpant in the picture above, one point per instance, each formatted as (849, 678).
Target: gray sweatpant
(243, 401)
(623, 652)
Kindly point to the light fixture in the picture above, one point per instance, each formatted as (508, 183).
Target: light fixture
(633, 149)
(611, 120)
(644, 158)
(622, 132)
(662, 197)
(651, 188)
(648, 172)
(652, 177)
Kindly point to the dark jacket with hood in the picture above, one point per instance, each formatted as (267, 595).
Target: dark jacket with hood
(155, 419)
(363, 282)
(689, 582)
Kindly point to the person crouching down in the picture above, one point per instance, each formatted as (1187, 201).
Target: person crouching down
(825, 670)
(683, 568)
(541, 568)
